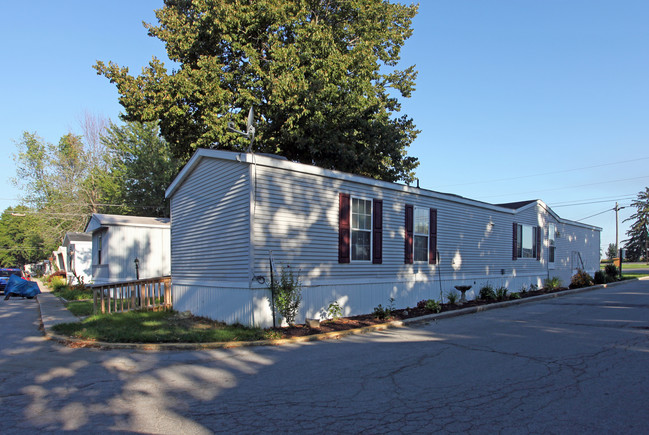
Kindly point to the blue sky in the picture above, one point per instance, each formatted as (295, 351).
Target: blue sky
(515, 100)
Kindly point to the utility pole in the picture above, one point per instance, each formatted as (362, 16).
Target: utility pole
(617, 225)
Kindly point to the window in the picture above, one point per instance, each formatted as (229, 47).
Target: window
(360, 229)
(527, 241)
(99, 249)
(361, 233)
(422, 224)
(420, 235)
(552, 232)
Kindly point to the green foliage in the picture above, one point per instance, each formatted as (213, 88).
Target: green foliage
(334, 311)
(381, 312)
(452, 297)
(501, 293)
(430, 305)
(58, 283)
(611, 272)
(637, 245)
(321, 75)
(287, 294)
(600, 277)
(487, 293)
(515, 295)
(21, 237)
(141, 168)
(157, 327)
(611, 251)
(581, 279)
(553, 283)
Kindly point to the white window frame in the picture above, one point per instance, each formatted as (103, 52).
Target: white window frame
(519, 241)
(552, 245)
(365, 230)
(415, 234)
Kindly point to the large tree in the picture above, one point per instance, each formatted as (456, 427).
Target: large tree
(321, 75)
(55, 180)
(140, 167)
(637, 245)
(21, 240)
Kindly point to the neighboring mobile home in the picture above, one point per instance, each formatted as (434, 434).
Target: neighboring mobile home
(117, 241)
(353, 239)
(78, 262)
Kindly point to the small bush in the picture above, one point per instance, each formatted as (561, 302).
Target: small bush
(58, 273)
(288, 294)
(515, 295)
(452, 297)
(57, 283)
(523, 290)
(429, 304)
(600, 277)
(581, 279)
(381, 312)
(487, 293)
(552, 283)
(611, 271)
(501, 293)
(334, 311)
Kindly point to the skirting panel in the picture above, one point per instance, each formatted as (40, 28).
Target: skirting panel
(251, 307)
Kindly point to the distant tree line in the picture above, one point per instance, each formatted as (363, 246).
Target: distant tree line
(117, 169)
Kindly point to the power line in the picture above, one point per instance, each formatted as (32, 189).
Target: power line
(563, 171)
(596, 214)
(570, 187)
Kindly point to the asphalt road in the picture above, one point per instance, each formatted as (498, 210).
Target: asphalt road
(575, 364)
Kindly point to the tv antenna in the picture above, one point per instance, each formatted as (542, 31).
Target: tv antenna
(250, 128)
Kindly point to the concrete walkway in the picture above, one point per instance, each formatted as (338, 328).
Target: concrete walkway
(52, 309)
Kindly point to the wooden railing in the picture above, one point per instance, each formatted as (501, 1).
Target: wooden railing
(143, 294)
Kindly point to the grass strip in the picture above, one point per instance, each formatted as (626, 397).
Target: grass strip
(156, 327)
(80, 308)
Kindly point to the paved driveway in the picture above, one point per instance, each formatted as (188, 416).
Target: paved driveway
(576, 364)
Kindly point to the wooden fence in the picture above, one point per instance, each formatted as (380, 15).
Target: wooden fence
(143, 294)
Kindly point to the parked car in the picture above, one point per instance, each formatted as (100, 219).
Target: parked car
(5, 273)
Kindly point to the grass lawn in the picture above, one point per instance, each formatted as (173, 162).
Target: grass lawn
(80, 308)
(157, 327)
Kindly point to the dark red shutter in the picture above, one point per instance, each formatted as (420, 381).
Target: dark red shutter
(539, 234)
(408, 256)
(432, 244)
(343, 228)
(515, 242)
(377, 232)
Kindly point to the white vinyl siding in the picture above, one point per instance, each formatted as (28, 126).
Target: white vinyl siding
(210, 215)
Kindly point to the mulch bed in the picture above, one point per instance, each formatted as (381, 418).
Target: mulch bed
(354, 322)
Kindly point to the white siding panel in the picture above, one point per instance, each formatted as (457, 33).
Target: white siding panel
(211, 223)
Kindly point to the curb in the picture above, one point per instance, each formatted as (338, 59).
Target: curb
(73, 342)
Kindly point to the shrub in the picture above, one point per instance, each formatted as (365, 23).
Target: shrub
(600, 277)
(515, 295)
(433, 306)
(552, 283)
(381, 312)
(334, 311)
(487, 293)
(57, 283)
(429, 304)
(581, 279)
(523, 290)
(611, 272)
(501, 293)
(452, 297)
(287, 294)
(58, 273)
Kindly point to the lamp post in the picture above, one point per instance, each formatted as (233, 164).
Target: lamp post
(137, 268)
